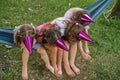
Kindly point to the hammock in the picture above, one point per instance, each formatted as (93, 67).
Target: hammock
(95, 10)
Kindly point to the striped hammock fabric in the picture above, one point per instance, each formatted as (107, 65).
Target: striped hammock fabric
(96, 9)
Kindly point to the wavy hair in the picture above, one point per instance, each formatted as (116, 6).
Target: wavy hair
(25, 30)
(72, 31)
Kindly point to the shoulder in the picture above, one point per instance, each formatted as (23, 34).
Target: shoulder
(74, 9)
(60, 22)
(59, 19)
(44, 25)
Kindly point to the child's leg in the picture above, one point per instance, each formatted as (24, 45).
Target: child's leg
(73, 51)
(25, 57)
(59, 56)
(53, 57)
(85, 43)
(66, 63)
(83, 54)
(45, 58)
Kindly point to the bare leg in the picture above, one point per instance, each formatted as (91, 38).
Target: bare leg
(45, 58)
(53, 56)
(59, 56)
(83, 54)
(85, 44)
(25, 57)
(66, 63)
(73, 51)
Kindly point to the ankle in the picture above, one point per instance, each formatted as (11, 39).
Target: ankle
(48, 65)
(72, 63)
(66, 65)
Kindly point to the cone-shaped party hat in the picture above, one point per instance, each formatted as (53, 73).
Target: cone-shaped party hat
(86, 19)
(28, 41)
(61, 44)
(84, 36)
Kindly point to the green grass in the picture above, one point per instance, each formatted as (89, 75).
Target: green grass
(105, 50)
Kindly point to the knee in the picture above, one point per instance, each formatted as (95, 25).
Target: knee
(41, 51)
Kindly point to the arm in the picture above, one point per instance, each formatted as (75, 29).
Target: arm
(25, 57)
(15, 37)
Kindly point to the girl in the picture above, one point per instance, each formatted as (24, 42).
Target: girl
(71, 31)
(61, 25)
(25, 37)
(82, 17)
(50, 38)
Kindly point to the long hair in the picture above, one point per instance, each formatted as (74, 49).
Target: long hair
(25, 30)
(72, 31)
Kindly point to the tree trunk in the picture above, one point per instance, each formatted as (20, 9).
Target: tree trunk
(116, 9)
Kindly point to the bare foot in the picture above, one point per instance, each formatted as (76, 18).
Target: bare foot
(86, 57)
(59, 73)
(24, 75)
(87, 51)
(69, 71)
(50, 68)
(55, 69)
(75, 69)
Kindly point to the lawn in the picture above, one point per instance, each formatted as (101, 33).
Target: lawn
(105, 50)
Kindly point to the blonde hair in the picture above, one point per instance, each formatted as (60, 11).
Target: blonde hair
(72, 31)
(78, 15)
(25, 30)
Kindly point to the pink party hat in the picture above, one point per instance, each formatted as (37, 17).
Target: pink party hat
(61, 44)
(86, 19)
(84, 36)
(28, 41)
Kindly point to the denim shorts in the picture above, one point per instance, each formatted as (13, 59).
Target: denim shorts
(36, 45)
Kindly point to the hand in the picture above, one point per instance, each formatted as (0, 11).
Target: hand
(24, 75)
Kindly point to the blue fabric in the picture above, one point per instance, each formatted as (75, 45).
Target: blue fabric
(96, 4)
(96, 9)
(36, 45)
(6, 36)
